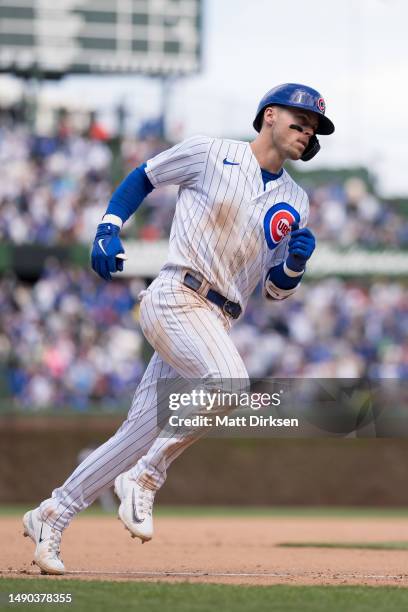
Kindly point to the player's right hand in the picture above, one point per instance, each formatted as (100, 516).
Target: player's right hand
(107, 251)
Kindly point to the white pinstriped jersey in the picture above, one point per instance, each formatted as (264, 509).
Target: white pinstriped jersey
(227, 226)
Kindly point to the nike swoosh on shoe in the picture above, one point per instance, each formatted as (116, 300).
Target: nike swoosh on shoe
(135, 517)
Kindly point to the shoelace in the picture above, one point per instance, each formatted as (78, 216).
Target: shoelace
(54, 542)
(144, 502)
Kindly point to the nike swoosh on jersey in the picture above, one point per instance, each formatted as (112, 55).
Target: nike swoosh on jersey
(135, 517)
(101, 246)
(228, 163)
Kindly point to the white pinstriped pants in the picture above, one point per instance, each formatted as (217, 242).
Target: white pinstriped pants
(191, 341)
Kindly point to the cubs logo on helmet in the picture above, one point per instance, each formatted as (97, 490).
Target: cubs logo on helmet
(277, 223)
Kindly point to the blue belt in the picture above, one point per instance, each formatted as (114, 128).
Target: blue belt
(232, 309)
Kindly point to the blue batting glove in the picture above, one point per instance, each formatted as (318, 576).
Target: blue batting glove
(106, 247)
(302, 243)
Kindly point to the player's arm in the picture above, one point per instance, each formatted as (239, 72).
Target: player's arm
(180, 165)
(108, 253)
(283, 279)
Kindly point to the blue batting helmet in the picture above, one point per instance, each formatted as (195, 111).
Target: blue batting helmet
(297, 96)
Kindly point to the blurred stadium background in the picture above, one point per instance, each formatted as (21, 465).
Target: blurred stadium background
(71, 349)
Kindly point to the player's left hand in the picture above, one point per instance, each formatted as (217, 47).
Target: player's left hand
(302, 243)
(107, 251)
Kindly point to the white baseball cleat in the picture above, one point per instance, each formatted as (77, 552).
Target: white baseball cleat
(136, 508)
(47, 542)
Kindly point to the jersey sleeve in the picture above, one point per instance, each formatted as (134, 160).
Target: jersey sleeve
(180, 165)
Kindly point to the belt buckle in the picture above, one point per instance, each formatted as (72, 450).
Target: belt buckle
(192, 282)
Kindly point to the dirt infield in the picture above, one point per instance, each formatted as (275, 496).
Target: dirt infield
(220, 550)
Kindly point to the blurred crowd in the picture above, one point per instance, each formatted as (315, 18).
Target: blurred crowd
(346, 214)
(72, 340)
(330, 328)
(51, 186)
(55, 186)
(69, 339)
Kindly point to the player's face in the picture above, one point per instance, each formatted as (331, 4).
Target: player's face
(291, 142)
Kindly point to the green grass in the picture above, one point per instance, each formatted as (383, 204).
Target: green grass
(98, 596)
(239, 511)
(362, 545)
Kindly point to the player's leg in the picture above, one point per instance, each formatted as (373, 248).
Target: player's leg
(192, 337)
(98, 470)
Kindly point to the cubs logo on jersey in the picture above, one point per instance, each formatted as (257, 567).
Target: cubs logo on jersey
(278, 221)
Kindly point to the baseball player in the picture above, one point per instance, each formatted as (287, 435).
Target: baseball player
(240, 219)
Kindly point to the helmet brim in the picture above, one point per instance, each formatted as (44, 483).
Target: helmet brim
(325, 126)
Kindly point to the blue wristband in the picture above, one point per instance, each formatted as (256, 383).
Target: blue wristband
(278, 276)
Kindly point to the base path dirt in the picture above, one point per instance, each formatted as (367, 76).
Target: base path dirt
(219, 550)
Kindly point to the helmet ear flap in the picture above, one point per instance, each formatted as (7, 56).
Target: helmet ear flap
(311, 150)
(258, 122)
(259, 118)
